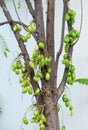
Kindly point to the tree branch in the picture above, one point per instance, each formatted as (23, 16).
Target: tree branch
(61, 87)
(32, 12)
(15, 22)
(20, 43)
(16, 11)
(50, 36)
(39, 20)
(62, 38)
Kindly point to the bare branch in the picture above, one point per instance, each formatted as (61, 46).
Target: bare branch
(39, 20)
(15, 22)
(21, 44)
(16, 10)
(62, 39)
(32, 12)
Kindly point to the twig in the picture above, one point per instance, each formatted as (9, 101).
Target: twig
(15, 22)
(81, 23)
(30, 8)
(16, 11)
(62, 39)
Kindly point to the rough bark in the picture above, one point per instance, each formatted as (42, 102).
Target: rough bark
(50, 36)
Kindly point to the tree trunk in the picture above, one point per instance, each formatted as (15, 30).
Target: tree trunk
(50, 110)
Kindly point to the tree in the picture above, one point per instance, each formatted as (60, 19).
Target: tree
(43, 66)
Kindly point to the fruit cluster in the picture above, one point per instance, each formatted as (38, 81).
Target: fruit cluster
(71, 76)
(38, 62)
(18, 68)
(71, 37)
(69, 40)
(39, 118)
(70, 16)
(31, 28)
(67, 102)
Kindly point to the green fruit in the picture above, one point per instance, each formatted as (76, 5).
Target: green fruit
(69, 74)
(47, 76)
(14, 67)
(32, 120)
(64, 98)
(27, 82)
(39, 74)
(63, 61)
(31, 64)
(49, 59)
(73, 76)
(71, 108)
(28, 36)
(71, 112)
(19, 28)
(25, 121)
(36, 112)
(77, 33)
(35, 78)
(41, 45)
(24, 90)
(17, 71)
(21, 80)
(73, 34)
(43, 118)
(24, 84)
(35, 54)
(18, 5)
(30, 29)
(65, 56)
(67, 104)
(33, 26)
(72, 69)
(66, 48)
(71, 40)
(69, 12)
(42, 127)
(15, 28)
(39, 58)
(63, 128)
(49, 70)
(42, 62)
(70, 81)
(37, 91)
(23, 69)
(30, 91)
(58, 107)
(67, 17)
(68, 63)
(24, 39)
(46, 63)
(19, 64)
(66, 39)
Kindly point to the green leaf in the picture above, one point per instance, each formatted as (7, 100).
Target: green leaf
(83, 81)
(3, 46)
